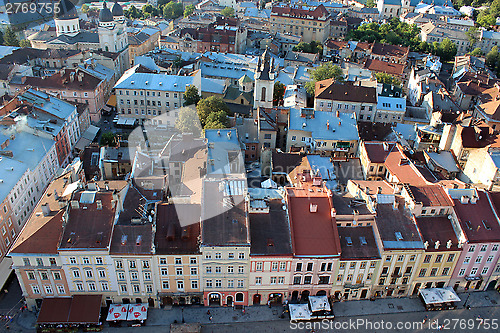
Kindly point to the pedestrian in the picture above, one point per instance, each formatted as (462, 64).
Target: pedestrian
(6, 291)
(269, 303)
(208, 312)
(210, 318)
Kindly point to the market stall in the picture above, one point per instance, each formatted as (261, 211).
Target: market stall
(118, 312)
(320, 307)
(439, 298)
(299, 312)
(138, 312)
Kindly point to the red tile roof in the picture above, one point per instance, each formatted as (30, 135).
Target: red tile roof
(389, 50)
(403, 169)
(430, 195)
(313, 234)
(299, 12)
(328, 89)
(440, 229)
(377, 152)
(471, 217)
(376, 65)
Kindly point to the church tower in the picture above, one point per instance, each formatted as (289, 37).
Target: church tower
(112, 32)
(264, 81)
(66, 19)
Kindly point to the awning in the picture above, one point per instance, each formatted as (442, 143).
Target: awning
(121, 121)
(137, 311)
(299, 312)
(439, 295)
(71, 188)
(117, 312)
(5, 270)
(87, 137)
(112, 100)
(319, 303)
(79, 309)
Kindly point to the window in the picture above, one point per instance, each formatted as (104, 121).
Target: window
(412, 257)
(194, 271)
(422, 272)
(192, 261)
(98, 261)
(384, 271)
(119, 264)
(164, 272)
(230, 283)
(218, 255)
(39, 262)
(132, 264)
(490, 259)
(104, 286)
(309, 266)
(462, 272)
(451, 256)
(178, 271)
(388, 258)
(298, 267)
(472, 248)
(433, 272)
(230, 255)
(217, 269)
(274, 266)
(208, 269)
(401, 257)
(297, 279)
(218, 283)
(352, 265)
(439, 258)
(473, 271)
(44, 276)
(76, 273)
(178, 261)
(466, 260)
(258, 280)
(484, 271)
(282, 266)
(369, 276)
(35, 289)
(52, 261)
(88, 273)
(427, 259)
(324, 280)
(26, 262)
(446, 271)
(92, 286)
(241, 269)
(164, 285)
(147, 275)
(307, 279)
(381, 281)
(60, 289)
(31, 275)
(136, 288)
(180, 285)
(145, 264)
(163, 261)
(102, 273)
(495, 247)
(479, 259)
(241, 255)
(484, 248)
(273, 280)
(194, 284)
(121, 276)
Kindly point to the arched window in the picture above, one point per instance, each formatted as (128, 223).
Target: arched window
(263, 94)
(107, 48)
(239, 297)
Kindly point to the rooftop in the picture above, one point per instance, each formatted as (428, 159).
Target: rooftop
(437, 230)
(358, 243)
(313, 229)
(430, 195)
(328, 89)
(224, 213)
(270, 233)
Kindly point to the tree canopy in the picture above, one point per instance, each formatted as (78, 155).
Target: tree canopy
(393, 32)
(388, 79)
(326, 71)
(312, 47)
(191, 95)
(227, 12)
(216, 120)
(173, 10)
(188, 121)
(10, 37)
(278, 93)
(188, 10)
(209, 105)
(108, 139)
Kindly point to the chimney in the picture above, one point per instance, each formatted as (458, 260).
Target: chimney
(337, 114)
(473, 199)
(386, 146)
(436, 244)
(426, 244)
(327, 124)
(99, 204)
(313, 208)
(45, 209)
(138, 241)
(124, 240)
(395, 205)
(448, 244)
(75, 204)
(464, 199)
(340, 123)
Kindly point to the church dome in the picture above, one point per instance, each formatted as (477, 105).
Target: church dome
(117, 10)
(67, 11)
(105, 14)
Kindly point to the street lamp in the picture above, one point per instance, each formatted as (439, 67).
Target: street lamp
(182, 312)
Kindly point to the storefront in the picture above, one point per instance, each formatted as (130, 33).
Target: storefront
(439, 298)
(170, 299)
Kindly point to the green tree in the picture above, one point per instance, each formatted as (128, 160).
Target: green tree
(191, 95)
(217, 119)
(188, 10)
(172, 10)
(476, 52)
(10, 38)
(492, 58)
(447, 50)
(25, 43)
(326, 71)
(278, 93)
(302, 47)
(472, 36)
(1, 38)
(133, 13)
(485, 19)
(371, 3)
(108, 139)
(177, 63)
(85, 8)
(209, 105)
(188, 121)
(388, 79)
(227, 12)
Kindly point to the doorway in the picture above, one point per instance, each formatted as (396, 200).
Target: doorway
(363, 293)
(321, 293)
(151, 302)
(491, 285)
(304, 296)
(295, 296)
(229, 300)
(214, 299)
(256, 299)
(416, 289)
(479, 284)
